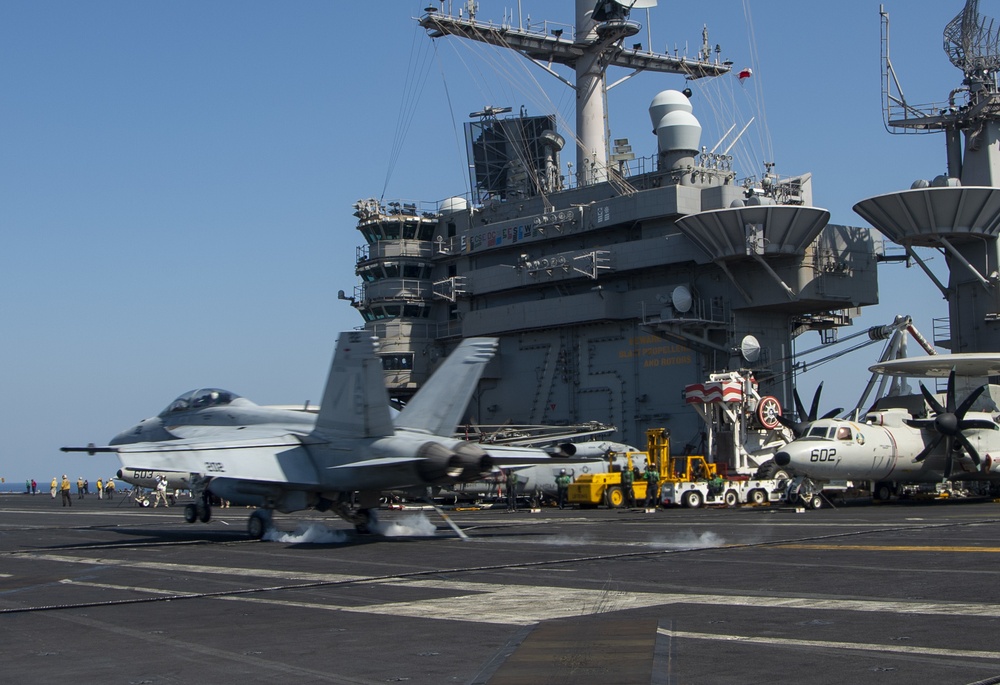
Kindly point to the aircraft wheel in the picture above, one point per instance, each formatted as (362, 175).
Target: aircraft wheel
(771, 471)
(883, 491)
(692, 499)
(365, 522)
(731, 498)
(258, 524)
(614, 497)
(758, 497)
(190, 513)
(205, 514)
(816, 502)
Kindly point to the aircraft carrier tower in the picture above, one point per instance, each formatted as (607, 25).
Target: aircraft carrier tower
(615, 283)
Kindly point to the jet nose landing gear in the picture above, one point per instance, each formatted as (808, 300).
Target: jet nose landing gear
(194, 512)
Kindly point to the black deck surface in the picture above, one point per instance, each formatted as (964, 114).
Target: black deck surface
(892, 593)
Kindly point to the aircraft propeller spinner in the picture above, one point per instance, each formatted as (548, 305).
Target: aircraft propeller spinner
(799, 428)
(949, 422)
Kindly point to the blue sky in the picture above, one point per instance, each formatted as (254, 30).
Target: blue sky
(177, 177)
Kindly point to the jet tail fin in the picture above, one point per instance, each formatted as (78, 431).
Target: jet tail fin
(440, 403)
(355, 402)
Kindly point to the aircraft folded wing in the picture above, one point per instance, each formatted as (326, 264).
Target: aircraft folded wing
(283, 459)
(504, 456)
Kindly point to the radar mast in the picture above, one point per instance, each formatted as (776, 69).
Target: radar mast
(594, 44)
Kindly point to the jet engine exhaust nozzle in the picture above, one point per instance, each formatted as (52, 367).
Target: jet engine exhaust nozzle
(563, 450)
(440, 465)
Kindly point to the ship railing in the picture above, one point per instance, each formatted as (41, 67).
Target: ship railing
(395, 289)
(545, 28)
(714, 312)
(941, 330)
(411, 332)
(902, 117)
(394, 248)
(372, 209)
(449, 329)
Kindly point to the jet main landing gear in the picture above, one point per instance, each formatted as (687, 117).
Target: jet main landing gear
(259, 523)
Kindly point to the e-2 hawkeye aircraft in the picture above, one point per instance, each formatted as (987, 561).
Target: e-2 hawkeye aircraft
(277, 459)
(902, 444)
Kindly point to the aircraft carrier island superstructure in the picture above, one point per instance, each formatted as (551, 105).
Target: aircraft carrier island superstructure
(612, 287)
(958, 212)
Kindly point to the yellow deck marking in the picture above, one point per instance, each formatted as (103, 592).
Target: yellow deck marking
(897, 548)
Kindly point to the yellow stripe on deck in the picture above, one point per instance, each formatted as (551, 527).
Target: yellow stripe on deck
(897, 548)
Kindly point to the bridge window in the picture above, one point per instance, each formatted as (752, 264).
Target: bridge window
(397, 362)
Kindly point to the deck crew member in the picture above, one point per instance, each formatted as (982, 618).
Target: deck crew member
(652, 486)
(628, 477)
(562, 486)
(511, 490)
(64, 488)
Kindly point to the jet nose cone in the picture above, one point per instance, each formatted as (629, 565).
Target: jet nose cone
(782, 459)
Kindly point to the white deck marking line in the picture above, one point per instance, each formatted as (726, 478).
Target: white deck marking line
(861, 646)
(198, 568)
(530, 604)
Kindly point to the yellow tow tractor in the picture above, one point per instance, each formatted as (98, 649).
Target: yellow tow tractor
(593, 489)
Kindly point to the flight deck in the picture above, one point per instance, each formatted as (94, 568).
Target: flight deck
(886, 593)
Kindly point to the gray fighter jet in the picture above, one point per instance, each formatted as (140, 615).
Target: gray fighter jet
(219, 444)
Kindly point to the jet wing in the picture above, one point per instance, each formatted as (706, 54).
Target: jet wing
(280, 459)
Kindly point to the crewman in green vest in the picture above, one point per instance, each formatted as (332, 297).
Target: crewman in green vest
(562, 486)
(652, 486)
(627, 478)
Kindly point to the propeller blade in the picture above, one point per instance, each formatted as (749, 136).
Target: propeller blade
(814, 409)
(949, 460)
(798, 428)
(931, 400)
(950, 395)
(964, 442)
(927, 450)
(832, 413)
(799, 407)
(968, 402)
(977, 424)
(921, 424)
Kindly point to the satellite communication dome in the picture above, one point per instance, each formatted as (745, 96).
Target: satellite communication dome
(676, 128)
(454, 204)
(668, 101)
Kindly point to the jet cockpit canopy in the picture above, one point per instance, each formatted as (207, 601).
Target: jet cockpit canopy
(199, 399)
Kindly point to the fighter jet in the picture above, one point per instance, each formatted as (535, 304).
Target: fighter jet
(902, 444)
(221, 445)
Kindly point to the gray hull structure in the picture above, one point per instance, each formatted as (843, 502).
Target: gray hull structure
(612, 290)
